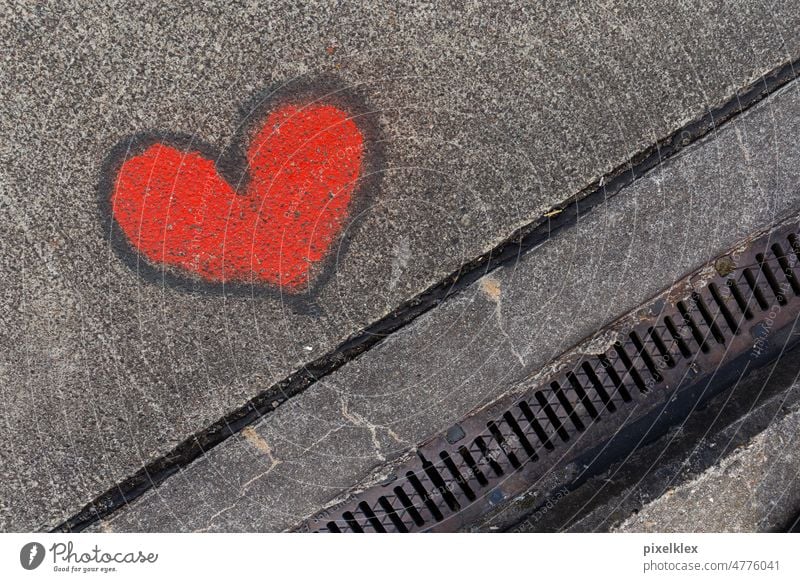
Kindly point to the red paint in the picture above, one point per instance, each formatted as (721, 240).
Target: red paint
(303, 163)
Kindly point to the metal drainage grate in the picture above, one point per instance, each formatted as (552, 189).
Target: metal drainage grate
(733, 313)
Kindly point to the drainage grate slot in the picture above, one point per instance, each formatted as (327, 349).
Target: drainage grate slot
(597, 384)
(741, 302)
(661, 346)
(752, 282)
(473, 466)
(501, 441)
(585, 400)
(352, 523)
(372, 519)
(439, 483)
(489, 456)
(332, 527)
(786, 268)
(392, 514)
(683, 347)
(630, 371)
(772, 281)
(568, 406)
(537, 428)
(721, 304)
(409, 506)
(693, 327)
(608, 368)
(523, 438)
(645, 356)
(456, 474)
(433, 509)
(708, 317)
(552, 416)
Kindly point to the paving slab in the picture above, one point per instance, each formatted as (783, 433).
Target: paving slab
(345, 432)
(486, 116)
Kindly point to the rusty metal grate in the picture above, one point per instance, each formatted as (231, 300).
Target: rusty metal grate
(736, 311)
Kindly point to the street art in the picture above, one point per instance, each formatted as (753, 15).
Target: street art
(267, 218)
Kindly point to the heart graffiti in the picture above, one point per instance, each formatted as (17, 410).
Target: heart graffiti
(272, 224)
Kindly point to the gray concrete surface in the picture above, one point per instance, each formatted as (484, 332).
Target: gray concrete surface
(489, 115)
(347, 429)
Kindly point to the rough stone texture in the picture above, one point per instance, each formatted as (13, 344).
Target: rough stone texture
(480, 343)
(489, 116)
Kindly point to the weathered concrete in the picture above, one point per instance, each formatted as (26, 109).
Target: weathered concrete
(489, 117)
(485, 340)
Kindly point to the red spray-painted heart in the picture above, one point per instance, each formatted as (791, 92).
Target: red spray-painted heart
(303, 164)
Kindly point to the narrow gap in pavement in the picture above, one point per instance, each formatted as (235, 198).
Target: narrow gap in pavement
(521, 241)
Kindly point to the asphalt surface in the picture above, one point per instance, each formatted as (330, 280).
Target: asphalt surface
(487, 117)
(344, 433)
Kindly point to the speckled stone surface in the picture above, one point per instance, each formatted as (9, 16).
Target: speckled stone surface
(489, 116)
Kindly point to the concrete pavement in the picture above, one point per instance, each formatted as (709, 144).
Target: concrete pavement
(347, 431)
(488, 116)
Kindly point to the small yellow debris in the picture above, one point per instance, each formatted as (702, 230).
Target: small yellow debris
(725, 266)
(552, 213)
